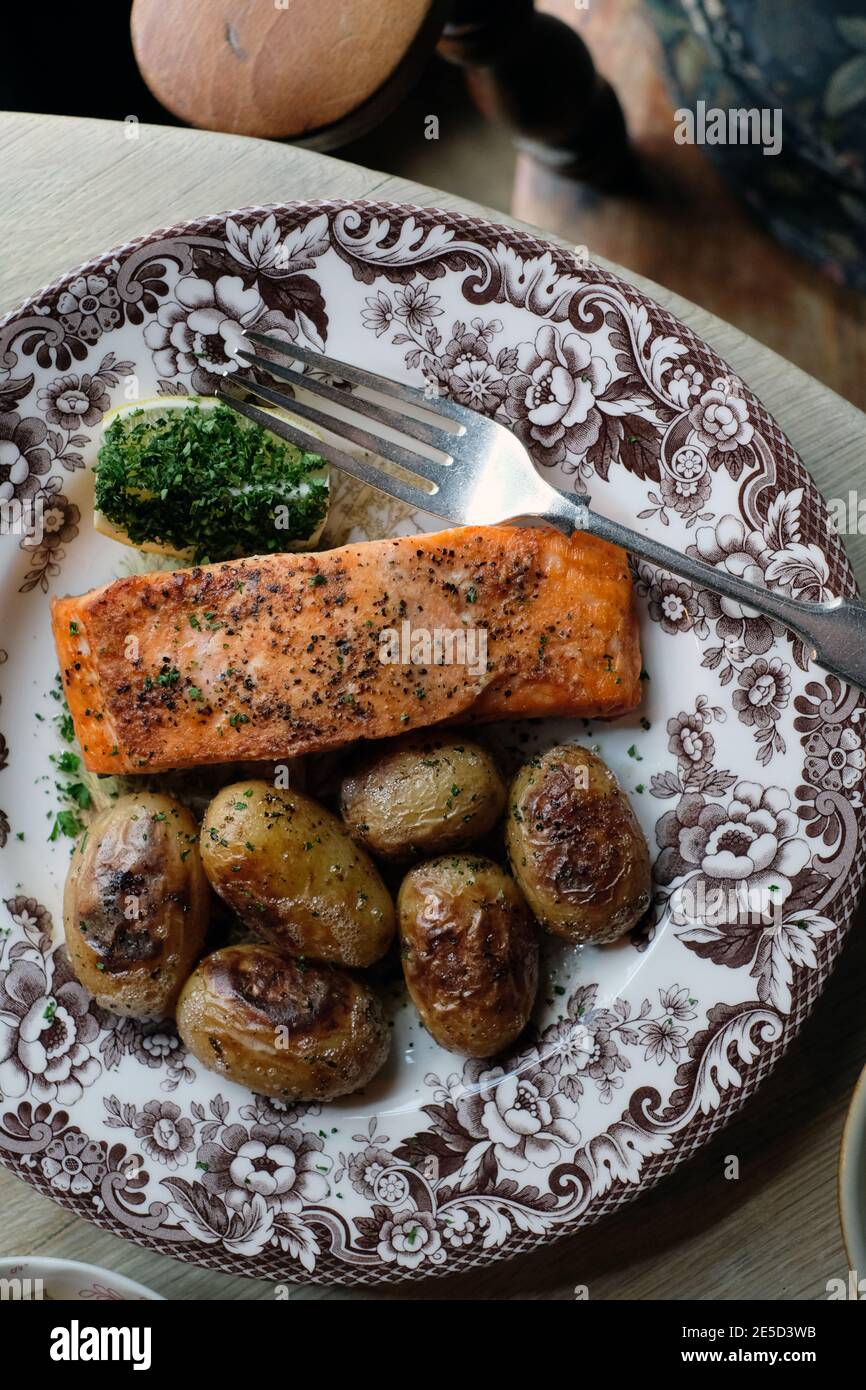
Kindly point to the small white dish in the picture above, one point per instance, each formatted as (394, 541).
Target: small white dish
(69, 1281)
(852, 1180)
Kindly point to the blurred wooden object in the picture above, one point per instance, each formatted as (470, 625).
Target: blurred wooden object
(691, 233)
(284, 68)
(324, 72)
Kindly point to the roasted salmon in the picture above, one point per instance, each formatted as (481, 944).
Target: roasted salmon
(277, 655)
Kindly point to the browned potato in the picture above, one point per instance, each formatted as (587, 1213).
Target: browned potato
(422, 795)
(291, 871)
(136, 905)
(470, 953)
(280, 1026)
(576, 847)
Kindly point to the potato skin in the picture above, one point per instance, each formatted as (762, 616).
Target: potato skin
(422, 795)
(291, 871)
(576, 847)
(280, 1026)
(470, 953)
(141, 854)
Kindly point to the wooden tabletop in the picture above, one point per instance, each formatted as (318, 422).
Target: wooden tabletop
(71, 188)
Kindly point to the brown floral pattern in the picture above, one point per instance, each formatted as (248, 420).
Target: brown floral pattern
(46, 1024)
(23, 457)
(72, 401)
(89, 306)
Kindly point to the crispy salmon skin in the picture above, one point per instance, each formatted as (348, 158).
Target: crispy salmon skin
(277, 655)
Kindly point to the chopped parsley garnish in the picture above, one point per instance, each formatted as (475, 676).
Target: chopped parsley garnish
(66, 762)
(65, 823)
(208, 482)
(78, 792)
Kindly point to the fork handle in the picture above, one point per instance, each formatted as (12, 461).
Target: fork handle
(834, 633)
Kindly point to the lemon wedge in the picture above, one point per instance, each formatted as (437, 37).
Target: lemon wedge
(157, 407)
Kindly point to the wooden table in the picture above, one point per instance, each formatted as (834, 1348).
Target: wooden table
(77, 187)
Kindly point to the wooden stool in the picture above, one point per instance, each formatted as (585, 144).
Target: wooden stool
(323, 72)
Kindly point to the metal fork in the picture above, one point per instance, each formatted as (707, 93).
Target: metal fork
(485, 476)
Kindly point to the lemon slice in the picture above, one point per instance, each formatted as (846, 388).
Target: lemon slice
(157, 406)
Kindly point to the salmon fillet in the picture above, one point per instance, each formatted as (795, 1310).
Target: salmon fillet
(278, 655)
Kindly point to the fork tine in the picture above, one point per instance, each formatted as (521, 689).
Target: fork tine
(428, 433)
(344, 371)
(386, 448)
(365, 472)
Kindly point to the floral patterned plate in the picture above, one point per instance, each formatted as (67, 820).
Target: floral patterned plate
(745, 766)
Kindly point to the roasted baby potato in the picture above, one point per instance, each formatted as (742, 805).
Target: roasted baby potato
(280, 1026)
(470, 953)
(422, 796)
(290, 870)
(576, 847)
(136, 905)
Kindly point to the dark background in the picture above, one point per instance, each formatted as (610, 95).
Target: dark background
(86, 68)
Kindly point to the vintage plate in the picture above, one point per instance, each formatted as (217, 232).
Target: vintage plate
(748, 777)
(72, 1282)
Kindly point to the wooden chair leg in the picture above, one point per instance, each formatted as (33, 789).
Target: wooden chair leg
(534, 74)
